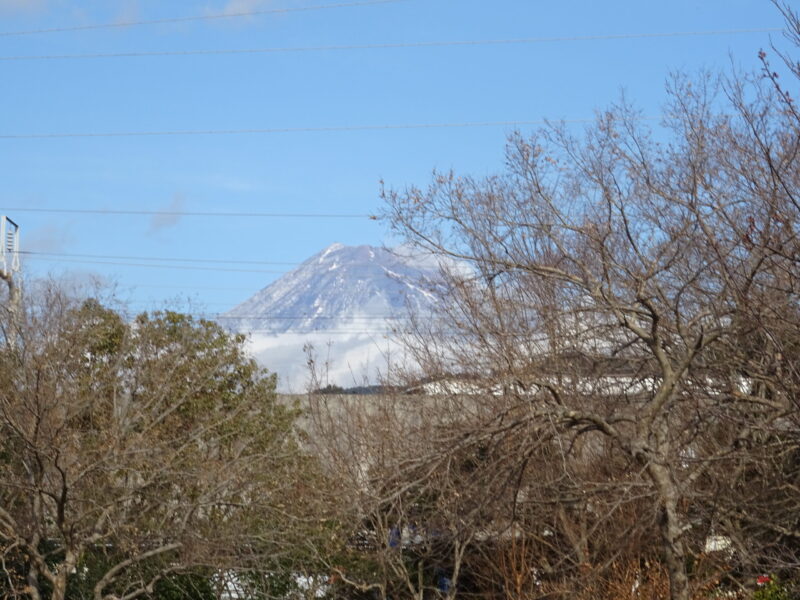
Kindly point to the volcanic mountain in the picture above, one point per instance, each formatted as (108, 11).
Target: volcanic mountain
(343, 302)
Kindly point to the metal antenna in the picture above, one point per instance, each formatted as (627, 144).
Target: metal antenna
(9, 252)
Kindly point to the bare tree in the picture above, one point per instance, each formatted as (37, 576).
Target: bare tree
(634, 298)
(407, 523)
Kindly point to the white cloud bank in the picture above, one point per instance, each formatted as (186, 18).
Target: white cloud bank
(353, 360)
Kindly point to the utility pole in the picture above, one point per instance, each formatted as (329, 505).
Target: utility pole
(9, 266)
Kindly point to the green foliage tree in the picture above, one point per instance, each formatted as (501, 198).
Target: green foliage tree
(136, 455)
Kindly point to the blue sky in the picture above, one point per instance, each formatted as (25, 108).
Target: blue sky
(331, 172)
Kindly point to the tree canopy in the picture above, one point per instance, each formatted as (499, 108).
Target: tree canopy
(137, 450)
(628, 323)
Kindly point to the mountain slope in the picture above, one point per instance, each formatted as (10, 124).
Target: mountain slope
(343, 301)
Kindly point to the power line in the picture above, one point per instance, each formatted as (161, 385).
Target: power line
(160, 258)
(284, 317)
(155, 266)
(300, 317)
(526, 336)
(296, 317)
(381, 332)
(398, 45)
(173, 304)
(216, 16)
(168, 213)
(325, 129)
(185, 287)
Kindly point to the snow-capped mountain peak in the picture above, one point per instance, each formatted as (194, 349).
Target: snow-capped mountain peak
(344, 301)
(335, 287)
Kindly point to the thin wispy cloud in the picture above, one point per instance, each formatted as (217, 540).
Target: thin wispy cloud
(233, 7)
(231, 183)
(12, 6)
(47, 239)
(170, 217)
(128, 11)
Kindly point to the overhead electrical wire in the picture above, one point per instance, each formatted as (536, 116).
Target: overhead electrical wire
(169, 213)
(209, 17)
(173, 304)
(267, 130)
(216, 288)
(155, 266)
(222, 316)
(300, 317)
(160, 258)
(381, 332)
(387, 46)
(389, 317)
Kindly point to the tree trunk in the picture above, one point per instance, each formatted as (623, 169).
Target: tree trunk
(67, 568)
(59, 588)
(33, 583)
(671, 532)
